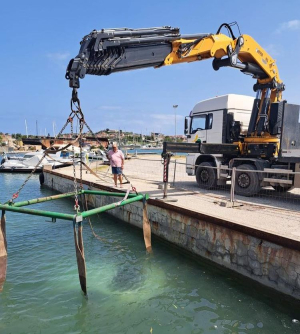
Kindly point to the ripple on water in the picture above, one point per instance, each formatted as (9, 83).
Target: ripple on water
(129, 291)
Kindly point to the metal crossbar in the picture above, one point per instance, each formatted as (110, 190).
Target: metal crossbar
(77, 220)
(18, 206)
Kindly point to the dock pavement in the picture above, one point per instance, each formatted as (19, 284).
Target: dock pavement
(272, 216)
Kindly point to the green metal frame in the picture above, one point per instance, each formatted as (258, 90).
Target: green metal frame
(18, 206)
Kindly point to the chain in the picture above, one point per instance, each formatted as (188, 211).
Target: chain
(80, 148)
(76, 206)
(16, 194)
(76, 109)
(74, 101)
(63, 128)
(91, 131)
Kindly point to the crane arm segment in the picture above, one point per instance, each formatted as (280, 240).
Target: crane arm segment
(243, 53)
(113, 50)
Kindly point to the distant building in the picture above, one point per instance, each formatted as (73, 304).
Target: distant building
(156, 136)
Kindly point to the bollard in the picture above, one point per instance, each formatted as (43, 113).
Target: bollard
(232, 186)
(167, 158)
(174, 174)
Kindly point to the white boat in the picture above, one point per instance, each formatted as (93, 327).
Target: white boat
(129, 147)
(28, 162)
(64, 156)
(147, 147)
(26, 165)
(97, 155)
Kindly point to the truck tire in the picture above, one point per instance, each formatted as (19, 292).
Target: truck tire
(206, 176)
(246, 182)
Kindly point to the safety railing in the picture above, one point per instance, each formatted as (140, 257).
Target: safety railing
(148, 169)
(230, 185)
(204, 182)
(270, 187)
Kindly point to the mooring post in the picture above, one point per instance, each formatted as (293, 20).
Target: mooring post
(77, 226)
(3, 250)
(146, 227)
(166, 157)
(232, 185)
(175, 163)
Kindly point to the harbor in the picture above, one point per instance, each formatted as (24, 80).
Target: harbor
(252, 241)
(237, 238)
(150, 168)
(168, 285)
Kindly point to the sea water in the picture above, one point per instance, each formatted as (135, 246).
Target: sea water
(129, 291)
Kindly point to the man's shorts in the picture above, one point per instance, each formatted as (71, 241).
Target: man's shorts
(116, 170)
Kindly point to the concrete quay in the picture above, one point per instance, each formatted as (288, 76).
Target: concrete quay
(261, 242)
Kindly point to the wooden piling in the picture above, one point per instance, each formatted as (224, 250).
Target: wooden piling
(80, 254)
(146, 229)
(3, 250)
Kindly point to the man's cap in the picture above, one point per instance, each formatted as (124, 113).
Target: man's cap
(114, 145)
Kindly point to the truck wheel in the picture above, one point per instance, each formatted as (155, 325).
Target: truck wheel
(206, 176)
(246, 182)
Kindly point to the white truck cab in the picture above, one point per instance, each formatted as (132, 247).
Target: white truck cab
(213, 121)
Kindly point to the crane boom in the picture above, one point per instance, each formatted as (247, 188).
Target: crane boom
(113, 50)
(271, 139)
(107, 51)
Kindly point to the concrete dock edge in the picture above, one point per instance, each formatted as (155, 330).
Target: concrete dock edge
(269, 259)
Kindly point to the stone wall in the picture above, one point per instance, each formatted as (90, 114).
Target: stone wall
(274, 265)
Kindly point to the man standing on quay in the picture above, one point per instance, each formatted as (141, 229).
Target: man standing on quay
(116, 159)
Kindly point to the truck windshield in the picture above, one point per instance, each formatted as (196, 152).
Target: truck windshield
(201, 122)
(198, 123)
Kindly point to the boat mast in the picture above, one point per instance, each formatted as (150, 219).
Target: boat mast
(26, 128)
(53, 124)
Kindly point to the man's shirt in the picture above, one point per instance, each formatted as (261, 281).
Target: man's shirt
(115, 158)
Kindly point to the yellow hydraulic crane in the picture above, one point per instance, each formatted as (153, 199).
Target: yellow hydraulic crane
(112, 50)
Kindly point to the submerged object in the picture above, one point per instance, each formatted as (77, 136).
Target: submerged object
(3, 250)
(76, 218)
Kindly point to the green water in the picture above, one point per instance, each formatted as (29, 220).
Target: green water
(128, 290)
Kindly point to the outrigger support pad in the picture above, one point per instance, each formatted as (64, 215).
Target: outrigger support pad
(77, 227)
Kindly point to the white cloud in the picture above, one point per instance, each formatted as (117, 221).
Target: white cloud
(289, 25)
(166, 117)
(109, 107)
(273, 50)
(162, 117)
(59, 59)
(58, 56)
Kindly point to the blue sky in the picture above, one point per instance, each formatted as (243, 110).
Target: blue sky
(38, 38)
